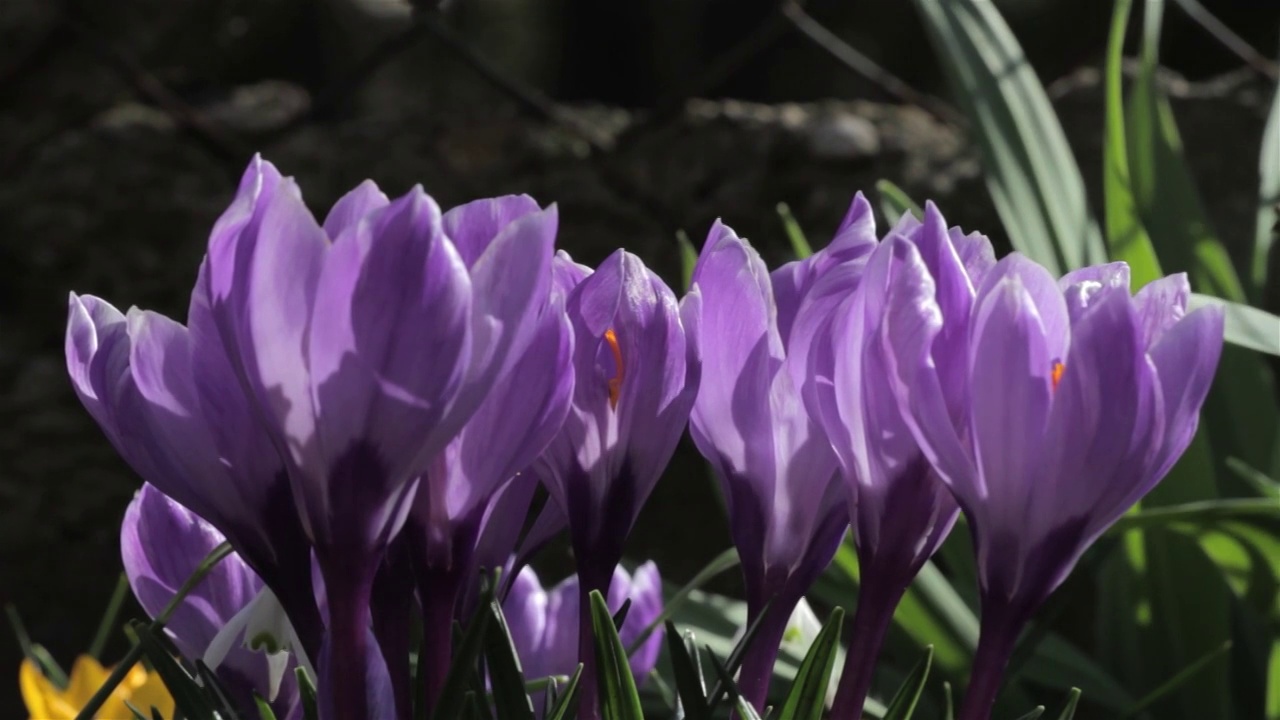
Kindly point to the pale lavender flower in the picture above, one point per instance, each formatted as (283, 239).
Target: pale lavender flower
(1049, 408)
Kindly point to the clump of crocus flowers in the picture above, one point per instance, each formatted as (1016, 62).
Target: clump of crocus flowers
(365, 408)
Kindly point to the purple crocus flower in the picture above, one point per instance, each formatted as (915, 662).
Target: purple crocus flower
(1049, 408)
(360, 345)
(162, 543)
(636, 377)
(899, 509)
(786, 506)
(544, 623)
(166, 410)
(523, 412)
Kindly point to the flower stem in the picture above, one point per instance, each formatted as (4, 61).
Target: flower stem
(758, 661)
(348, 657)
(436, 654)
(1000, 629)
(392, 603)
(871, 621)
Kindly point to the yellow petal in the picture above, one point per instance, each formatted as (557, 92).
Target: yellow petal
(87, 675)
(152, 693)
(43, 700)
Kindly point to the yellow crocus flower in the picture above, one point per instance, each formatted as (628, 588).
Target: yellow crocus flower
(44, 701)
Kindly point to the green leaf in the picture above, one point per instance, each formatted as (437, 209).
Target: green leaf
(1268, 199)
(1179, 680)
(1204, 512)
(1257, 479)
(894, 202)
(1127, 240)
(799, 245)
(687, 670)
(688, 258)
(510, 700)
(1035, 713)
(619, 699)
(1273, 682)
(903, 705)
(36, 654)
(188, 697)
(307, 693)
(1246, 326)
(745, 711)
(109, 618)
(1069, 710)
(457, 681)
(564, 703)
(122, 668)
(719, 564)
(1162, 184)
(1030, 171)
(264, 709)
(808, 695)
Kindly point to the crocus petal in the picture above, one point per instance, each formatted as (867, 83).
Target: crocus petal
(525, 610)
(390, 336)
(523, 412)
(854, 240)
(263, 264)
(354, 207)
(162, 543)
(1010, 367)
(1185, 357)
(511, 282)
(636, 376)
(645, 594)
(1162, 303)
(472, 227)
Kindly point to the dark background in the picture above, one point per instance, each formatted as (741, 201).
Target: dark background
(124, 124)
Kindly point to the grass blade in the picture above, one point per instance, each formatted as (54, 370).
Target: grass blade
(903, 705)
(1178, 680)
(1031, 174)
(808, 696)
(1268, 200)
(509, 697)
(719, 564)
(1127, 239)
(799, 245)
(687, 671)
(109, 618)
(894, 202)
(619, 699)
(1069, 710)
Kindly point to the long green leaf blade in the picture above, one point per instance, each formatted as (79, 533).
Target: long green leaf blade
(1246, 326)
(619, 699)
(1031, 174)
(903, 705)
(1127, 239)
(1268, 199)
(808, 696)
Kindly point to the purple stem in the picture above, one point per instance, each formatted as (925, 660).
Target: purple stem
(348, 644)
(1000, 629)
(439, 599)
(871, 620)
(392, 601)
(758, 661)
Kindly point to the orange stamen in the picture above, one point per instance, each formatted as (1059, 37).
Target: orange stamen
(615, 382)
(1056, 374)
